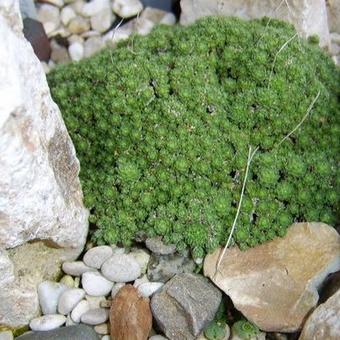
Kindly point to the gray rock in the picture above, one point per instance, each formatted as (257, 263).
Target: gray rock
(148, 288)
(47, 322)
(93, 45)
(69, 299)
(163, 268)
(78, 332)
(96, 256)
(157, 246)
(95, 316)
(96, 284)
(49, 293)
(185, 305)
(121, 268)
(76, 268)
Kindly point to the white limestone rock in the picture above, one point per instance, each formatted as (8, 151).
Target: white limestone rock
(92, 46)
(76, 51)
(308, 17)
(49, 293)
(37, 160)
(96, 256)
(47, 322)
(69, 299)
(67, 14)
(96, 284)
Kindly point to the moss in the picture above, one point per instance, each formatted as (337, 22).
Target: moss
(244, 330)
(162, 126)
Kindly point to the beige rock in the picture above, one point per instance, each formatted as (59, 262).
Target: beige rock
(76, 51)
(275, 284)
(333, 9)
(59, 53)
(67, 14)
(48, 15)
(92, 46)
(127, 8)
(102, 21)
(78, 5)
(324, 322)
(157, 16)
(78, 25)
(95, 6)
(308, 17)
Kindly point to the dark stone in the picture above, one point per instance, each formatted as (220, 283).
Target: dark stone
(34, 32)
(78, 332)
(185, 305)
(330, 286)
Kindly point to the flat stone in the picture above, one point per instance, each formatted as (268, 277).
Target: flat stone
(163, 268)
(47, 322)
(69, 299)
(78, 25)
(149, 288)
(78, 332)
(121, 268)
(274, 285)
(92, 46)
(96, 256)
(76, 268)
(157, 246)
(127, 8)
(324, 322)
(49, 293)
(96, 284)
(185, 305)
(95, 316)
(81, 308)
(49, 16)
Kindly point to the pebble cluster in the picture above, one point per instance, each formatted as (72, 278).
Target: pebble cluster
(84, 293)
(87, 27)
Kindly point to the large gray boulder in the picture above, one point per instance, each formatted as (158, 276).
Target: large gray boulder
(308, 16)
(42, 218)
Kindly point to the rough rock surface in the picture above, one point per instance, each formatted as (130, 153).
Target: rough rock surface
(40, 194)
(308, 17)
(275, 284)
(185, 305)
(324, 322)
(130, 315)
(333, 9)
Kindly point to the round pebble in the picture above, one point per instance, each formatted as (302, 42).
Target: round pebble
(49, 293)
(121, 268)
(95, 316)
(127, 8)
(95, 301)
(68, 281)
(76, 268)
(69, 299)
(96, 256)
(76, 51)
(82, 307)
(149, 288)
(102, 329)
(138, 282)
(142, 257)
(116, 288)
(96, 284)
(47, 322)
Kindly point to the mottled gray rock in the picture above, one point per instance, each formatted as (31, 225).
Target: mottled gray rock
(47, 322)
(121, 268)
(148, 288)
(163, 268)
(185, 305)
(95, 316)
(76, 268)
(49, 293)
(157, 246)
(78, 332)
(96, 284)
(69, 299)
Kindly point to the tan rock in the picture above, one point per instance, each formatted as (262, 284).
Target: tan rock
(308, 17)
(78, 25)
(333, 10)
(275, 284)
(324, 322)
(130, 315)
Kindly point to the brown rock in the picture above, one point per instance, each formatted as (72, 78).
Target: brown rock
(130, 315)
(324, 322)
(275, 284)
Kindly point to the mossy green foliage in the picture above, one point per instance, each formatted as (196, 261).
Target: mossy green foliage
(244, 330)
(162, 126)
(216, 330)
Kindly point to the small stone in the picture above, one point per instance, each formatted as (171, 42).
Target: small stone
(92, 46)
(130, 315)
(47, 322)
(69, 299)
(95, 316)
(59, 53)
(75, 38)
(106, 337)
(45, 67)
(90, 34)
(48, 15)
(121, 268)
(138, 282)
(102, 329)
(76, 52)
(76, 268)
(76, 282)
(96, 256)
(67, 14)
(78, 25)
(82, 307)
(95, 6)
(49, 293)
(335, 49)
(127, 8)
(69, 321)
(142, 257)
(185, 305)
(105, 304)
(77, 6)
(335, 37)
(58, 3)
(157, 337)
(324, 322)
(102, 21)
(112, 37)
(149, 288)
(96, 284)
(118, 250)
(78, 332)
(157, 246)
(95, 301)
(67, 280)
(6, 335)
(116, 289)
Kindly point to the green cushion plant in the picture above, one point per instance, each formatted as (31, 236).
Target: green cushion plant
(162, 125)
